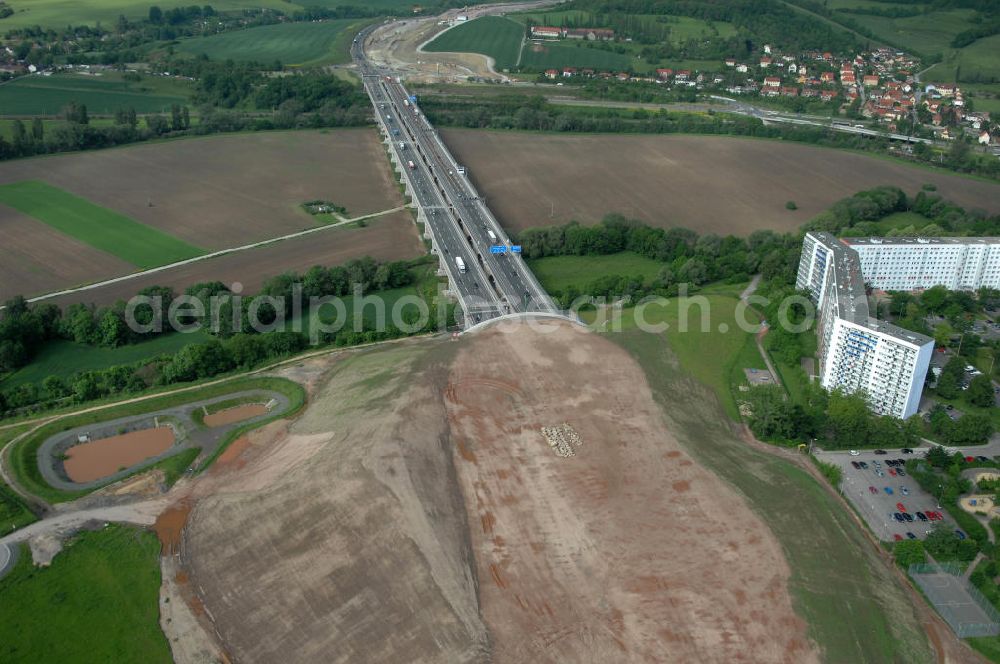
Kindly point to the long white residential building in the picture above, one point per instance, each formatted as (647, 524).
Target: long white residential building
(857, 352)
(911, 263)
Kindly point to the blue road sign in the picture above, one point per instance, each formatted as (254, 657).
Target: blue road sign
(498, 249)
(515, 248)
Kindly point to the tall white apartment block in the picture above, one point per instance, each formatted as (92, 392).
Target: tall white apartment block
(858, 352)
(910, 263)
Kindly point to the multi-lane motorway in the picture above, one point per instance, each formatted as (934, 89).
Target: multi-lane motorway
(486, 274)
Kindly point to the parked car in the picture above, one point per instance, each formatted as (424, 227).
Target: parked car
(959, 534)
(892, 471)
(863, 464)
(981, 458)
(900, 472)
(898, 517)
(903, 490)
(888, 490)
(911, 535)
(921, 516)
(906, 450)
(880, 473)
(880, 452)
(908, 517)
(969, 459)
(855, 453)
(897, 537)
(872, 489)
(856, 465)
(901, 507)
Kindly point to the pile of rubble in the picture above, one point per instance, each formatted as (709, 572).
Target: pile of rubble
(562, 439)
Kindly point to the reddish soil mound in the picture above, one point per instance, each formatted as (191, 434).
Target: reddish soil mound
(169, 526)
(600, 540)
(100, 458)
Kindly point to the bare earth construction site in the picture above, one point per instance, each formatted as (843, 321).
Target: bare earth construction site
(416, 511)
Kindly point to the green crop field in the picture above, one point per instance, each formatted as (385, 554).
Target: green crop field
(65, 358)
(97, 602)
(295, 44)
(49, 95)
(99, 227)
(576, 54)
(493, 36)
(60, 13)
(556, 273)
(855, 612)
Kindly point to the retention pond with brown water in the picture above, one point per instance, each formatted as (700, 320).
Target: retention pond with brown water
(235, 414)
(97, 459)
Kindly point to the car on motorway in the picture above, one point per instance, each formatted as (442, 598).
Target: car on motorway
(880, 452)
(901, 507)
(855, 453)
(888, 490)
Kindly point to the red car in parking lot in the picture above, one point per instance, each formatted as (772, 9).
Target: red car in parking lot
(897, 537)
(901, 507)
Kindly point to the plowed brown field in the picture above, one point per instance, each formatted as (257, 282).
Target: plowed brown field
(707, 183)
(216, 192)
(35, 258)
(392, 237)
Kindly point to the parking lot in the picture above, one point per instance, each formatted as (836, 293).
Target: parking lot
(878, 507)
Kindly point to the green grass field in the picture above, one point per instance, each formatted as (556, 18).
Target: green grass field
(101, 228)
(49, 95)
(97, 602)
(14, 513)
(577, 54)
(493, 36)
(294, 44)
(556, 273)
(838, 584)
(64, 358)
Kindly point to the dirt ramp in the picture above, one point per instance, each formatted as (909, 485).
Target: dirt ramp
(599, 539)
(358, 551)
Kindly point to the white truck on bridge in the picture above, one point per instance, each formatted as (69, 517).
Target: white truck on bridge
(460, 263)
(411, 165)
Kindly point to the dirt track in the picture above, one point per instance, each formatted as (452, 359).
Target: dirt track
(708, 183)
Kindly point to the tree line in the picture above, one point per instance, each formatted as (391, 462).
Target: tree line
(688, 258)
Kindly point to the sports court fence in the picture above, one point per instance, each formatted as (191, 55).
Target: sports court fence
(960, 603)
